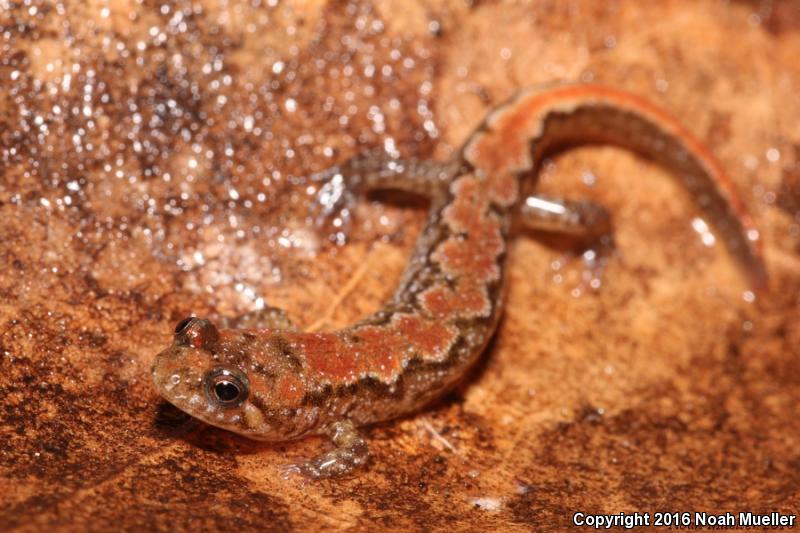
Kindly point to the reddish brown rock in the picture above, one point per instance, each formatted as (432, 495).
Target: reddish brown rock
(150, 164)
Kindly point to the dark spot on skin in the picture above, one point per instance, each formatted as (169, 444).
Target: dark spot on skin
(259, 403)
(378, 388)
(263, 370)
(318, 398)
(367, 390)
(284, 347)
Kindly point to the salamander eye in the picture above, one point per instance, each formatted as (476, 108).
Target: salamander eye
(196, 332)
(226, 387)
(184, 324)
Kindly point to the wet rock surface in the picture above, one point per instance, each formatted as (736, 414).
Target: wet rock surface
(155, 163)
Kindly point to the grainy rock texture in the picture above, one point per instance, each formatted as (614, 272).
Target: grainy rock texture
(153, 163)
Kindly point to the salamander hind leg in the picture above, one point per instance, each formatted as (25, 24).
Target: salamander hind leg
(589, 226)
(350, 453)
(580, 218)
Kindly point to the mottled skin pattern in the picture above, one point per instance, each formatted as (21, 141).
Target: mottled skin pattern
(276, 383)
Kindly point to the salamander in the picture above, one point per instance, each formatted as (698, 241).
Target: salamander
(274, 382)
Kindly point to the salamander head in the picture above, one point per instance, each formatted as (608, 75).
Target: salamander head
(243, 381)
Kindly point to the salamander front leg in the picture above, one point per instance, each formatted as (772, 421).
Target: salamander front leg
(351, 452)
(373, 170)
